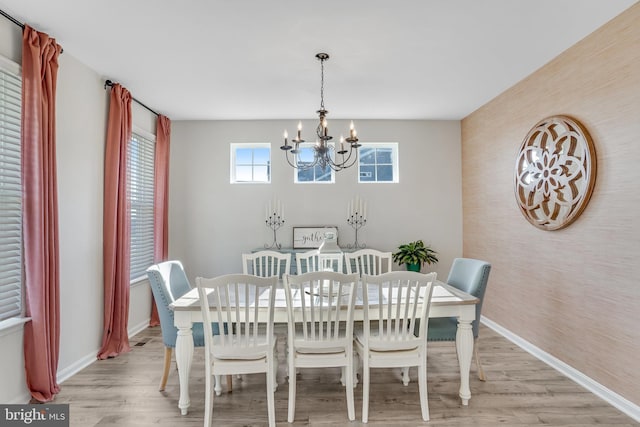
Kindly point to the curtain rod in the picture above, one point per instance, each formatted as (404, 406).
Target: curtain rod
(110, 83)
(12, 19)
(18, 23)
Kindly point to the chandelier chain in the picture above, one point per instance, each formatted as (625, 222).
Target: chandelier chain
(322, 84)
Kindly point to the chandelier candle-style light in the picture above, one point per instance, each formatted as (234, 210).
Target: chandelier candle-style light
(326, 154)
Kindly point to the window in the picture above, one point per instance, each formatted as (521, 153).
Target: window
(251, 163)
(315, 174)
(10, 191)
(140, 179)
(378, 162)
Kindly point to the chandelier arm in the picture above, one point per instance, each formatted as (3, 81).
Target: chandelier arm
(298, 165)
(345, 162)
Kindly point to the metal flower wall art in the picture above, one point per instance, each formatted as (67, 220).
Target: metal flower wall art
(555, 172)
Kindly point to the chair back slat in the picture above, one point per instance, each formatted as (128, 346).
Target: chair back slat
(306, 262)
(331, 262)
(240, 316)
(401, 300)
(320, 305)
(368, 261)
(266, 263)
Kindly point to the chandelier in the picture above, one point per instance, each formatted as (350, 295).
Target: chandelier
(325, 154)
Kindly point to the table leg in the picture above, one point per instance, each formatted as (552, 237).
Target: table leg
(464, 347)
(184, 357)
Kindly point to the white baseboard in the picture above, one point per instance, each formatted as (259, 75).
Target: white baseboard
(77, 366)
(80, 364)
(596, 388)
(136, 329)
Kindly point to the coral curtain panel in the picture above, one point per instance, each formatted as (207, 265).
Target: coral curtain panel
(161, 200)
(40, 213)
(116, 226)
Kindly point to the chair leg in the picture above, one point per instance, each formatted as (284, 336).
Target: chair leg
(275, 370)
(167, 366)
(422, 388)
(478, 364)
(208, 400)
(292, 393)
(218, 385)
(271, 408)
(405, 376)
(365, 389)
(229, 383)
(351, 412)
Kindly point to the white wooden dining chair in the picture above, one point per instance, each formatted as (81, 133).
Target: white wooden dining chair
(266, 263)
(306, 262)
(368, 261)
(314, 260)
(392, 304)
(320, 327)
(331, 262)
(246, 343)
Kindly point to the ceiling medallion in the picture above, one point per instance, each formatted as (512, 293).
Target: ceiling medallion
(555, 172)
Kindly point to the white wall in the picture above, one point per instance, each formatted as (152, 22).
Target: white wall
(82, 108)
(211, 222)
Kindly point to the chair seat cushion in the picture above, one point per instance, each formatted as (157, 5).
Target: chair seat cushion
(242, 350)
(388, 343)
(310, 346)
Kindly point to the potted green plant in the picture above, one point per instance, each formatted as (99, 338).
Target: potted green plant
(415, 254)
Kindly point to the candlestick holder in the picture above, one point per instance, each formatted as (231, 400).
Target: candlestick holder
(357, 221)
(274, 222)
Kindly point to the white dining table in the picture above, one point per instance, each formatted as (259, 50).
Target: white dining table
(446, 301)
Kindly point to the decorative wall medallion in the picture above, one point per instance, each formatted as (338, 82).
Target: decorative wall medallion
(555, 172)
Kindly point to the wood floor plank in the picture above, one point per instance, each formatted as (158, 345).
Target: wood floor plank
(519, 391)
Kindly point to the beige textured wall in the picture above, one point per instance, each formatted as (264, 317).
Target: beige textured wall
(574, 293)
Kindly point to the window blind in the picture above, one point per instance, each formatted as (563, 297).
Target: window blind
(10, 194)
(141, 152)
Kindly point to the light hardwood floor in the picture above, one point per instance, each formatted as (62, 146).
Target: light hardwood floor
(519, 391)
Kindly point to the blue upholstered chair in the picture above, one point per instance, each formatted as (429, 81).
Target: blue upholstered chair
(169, 282)
(471, 276)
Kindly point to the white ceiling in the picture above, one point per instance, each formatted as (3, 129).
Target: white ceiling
(255, 59)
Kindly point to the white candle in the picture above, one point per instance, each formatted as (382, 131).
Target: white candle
(269, 211)
(282, 211)
(364, 211)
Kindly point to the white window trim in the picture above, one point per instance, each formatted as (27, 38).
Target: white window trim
(396, 164)
(10, 66)
(232, 161)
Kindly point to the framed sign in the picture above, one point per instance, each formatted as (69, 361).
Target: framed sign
(311, 237)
